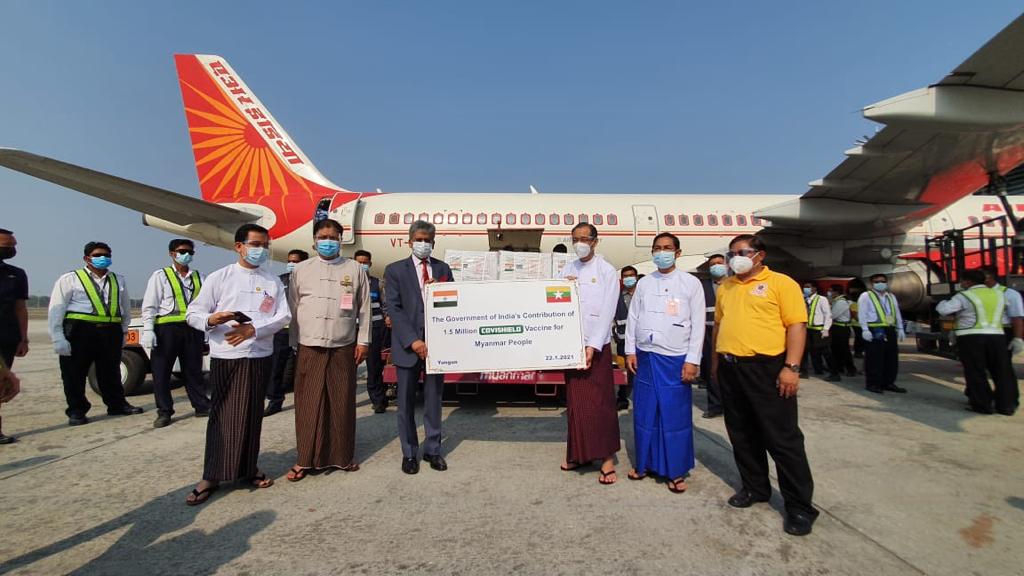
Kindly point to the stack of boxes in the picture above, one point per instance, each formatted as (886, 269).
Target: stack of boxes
(472, 265)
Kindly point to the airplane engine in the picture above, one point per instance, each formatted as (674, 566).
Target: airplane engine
(908, 284)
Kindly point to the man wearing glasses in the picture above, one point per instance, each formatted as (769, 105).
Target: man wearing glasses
(167, 336)
(759, 335)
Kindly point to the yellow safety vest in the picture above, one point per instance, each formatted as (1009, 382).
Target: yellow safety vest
(102, 313)
(885, 320)
(984, 299)
(810, 316)
(177, 315)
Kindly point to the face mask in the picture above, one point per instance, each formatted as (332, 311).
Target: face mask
(8, 253)
(422, 250)
(741, 264)
(830, 294)
(807, 292)
(328, 248)
(582, 249)
(256, 256)
(101, 262)
(183, 259)
(366, 268)
(289, 267)
(718, 270)
(663, 259)
(629, 281)
(880, 286)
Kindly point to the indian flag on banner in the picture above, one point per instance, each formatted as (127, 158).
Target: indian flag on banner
(446, 298)
(558, 294)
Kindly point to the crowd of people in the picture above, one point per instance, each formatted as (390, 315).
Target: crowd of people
(746, 333)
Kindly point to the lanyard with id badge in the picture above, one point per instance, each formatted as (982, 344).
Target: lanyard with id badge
(345, 301)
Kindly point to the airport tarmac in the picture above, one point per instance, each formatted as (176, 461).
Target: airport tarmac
(907, 484)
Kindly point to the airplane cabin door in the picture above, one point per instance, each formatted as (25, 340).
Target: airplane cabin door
(645, 224)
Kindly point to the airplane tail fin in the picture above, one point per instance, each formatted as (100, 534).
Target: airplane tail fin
(243, 155)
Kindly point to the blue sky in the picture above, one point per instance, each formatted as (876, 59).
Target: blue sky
(611, 97)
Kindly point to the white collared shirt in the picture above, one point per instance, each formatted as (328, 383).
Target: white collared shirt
(159, 298)
(822, 314)
(867, 314)
(841, 309)
(667, 316)
(70, 296)
(599, 294)
(418, 266)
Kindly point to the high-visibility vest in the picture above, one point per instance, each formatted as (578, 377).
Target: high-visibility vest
(813, 312)
(1002, 289)
(837, 322)
(177, 314)
(885, 320)
(102, 312)
(988, 311)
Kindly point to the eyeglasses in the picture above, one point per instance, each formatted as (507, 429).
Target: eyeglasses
(583, 239)
(100, 255)
(741, 252)
(257, 244)
(185, 251)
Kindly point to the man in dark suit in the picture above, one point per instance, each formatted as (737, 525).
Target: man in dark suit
(282, 372)
(405, 281)
(378, 332)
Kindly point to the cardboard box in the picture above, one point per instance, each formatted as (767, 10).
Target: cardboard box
(472, 265)
(524, 265)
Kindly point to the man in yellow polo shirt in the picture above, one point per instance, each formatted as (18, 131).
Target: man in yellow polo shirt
(759, 334)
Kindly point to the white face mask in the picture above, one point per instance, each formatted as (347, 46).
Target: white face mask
(582, 249)
(741, 264)
(422, 250)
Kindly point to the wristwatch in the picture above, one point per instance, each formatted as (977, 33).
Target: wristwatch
(793, 367)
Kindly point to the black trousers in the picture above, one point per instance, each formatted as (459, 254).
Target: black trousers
(626, 390)
(282, 369)
(714, 394)
(98, 344)
(1008, 332)
(818, 351)
(841, 355)
(181, 342)
(762, 423)
(7, 353)
(858, 343)
(881, 359)
(984, 355)
(375, 366)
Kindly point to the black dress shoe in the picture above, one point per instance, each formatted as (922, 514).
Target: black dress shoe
(622, 404)
(77, 420)
(436, 462)
(797, 524)
(272, 408)
(380, 408)
(410, 465)
(161, 421)
(873, 390)
(745, 499)
(5, 439)
(896, 389)
(979, 410)
(834, 378)
(709, 414)
(202, 414)
(126, 410)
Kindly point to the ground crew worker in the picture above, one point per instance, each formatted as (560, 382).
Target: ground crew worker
(168, 337)
(842, 320)
(719, 272)
(282, 369)
(87, 321)
(1013, 320)
(854, 289)
(627, 276)
(378, 335)
(881, 325)
(759, 336)
(819, 321)
(981, 344)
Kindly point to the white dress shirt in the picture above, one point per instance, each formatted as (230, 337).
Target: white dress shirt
(599, 294)
(1014, 304)
(867, 314)
(822, 314)
(966, 315)
(235, 288)
(667, 316)
(159, 298)
(418, 265)
(841, 310)
(70, 296)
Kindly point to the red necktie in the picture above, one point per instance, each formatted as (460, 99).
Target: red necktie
(426, 275)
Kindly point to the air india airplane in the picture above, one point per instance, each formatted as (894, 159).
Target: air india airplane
(913, 178)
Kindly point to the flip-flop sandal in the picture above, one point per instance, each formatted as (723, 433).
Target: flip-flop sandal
(261, 481)
(201, 496)
(571, 466)
(296, 474)
(673, 485)
(634, 475)
(353, 467)
(605, 475)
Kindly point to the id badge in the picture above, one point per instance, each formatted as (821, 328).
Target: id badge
(672, 307)
(267, 305)
(345, 302)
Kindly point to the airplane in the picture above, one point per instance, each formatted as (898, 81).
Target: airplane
(913, 178)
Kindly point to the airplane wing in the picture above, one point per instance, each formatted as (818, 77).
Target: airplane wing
(938, 145)
(164, 204)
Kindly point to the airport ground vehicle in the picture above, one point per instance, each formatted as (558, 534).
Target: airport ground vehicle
(135, 362)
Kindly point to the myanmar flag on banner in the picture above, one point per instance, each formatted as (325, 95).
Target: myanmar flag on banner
(559, 294)
(446, 298)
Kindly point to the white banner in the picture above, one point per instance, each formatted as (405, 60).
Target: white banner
(503, 325)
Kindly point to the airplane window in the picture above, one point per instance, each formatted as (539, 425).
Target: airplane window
(510, 218)
(538, 219)
(684, 220)
(438, 218)
(598, 219)
(670, 220)
(712, 220)
(755, 221)
(525, 219)
(583, 218)
(424, 216)
(394, 218)
(495, 218)
(972, 219)
(741, 220)
(409, 218)
(467, 218)
(613, 220)
(726, 220)
(555, 219)
(698, 220)
(481, 218)
(453, 218)
(378, 218)
(569, 220)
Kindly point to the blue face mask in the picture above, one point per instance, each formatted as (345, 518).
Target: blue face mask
(289, 267)
(663, 259)
(183, 259)
(718, 270)
(880, 286)
(807, 291)
(366, 268)
(256, 256)
(629, 281)
(328, 248)
(101, 262)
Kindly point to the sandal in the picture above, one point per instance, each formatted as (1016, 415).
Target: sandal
(673, 485)
(261, 481)
(201, 496)
(353, 467)
(634, 475)
(570, 466)
(604, 478)
(296, 473)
